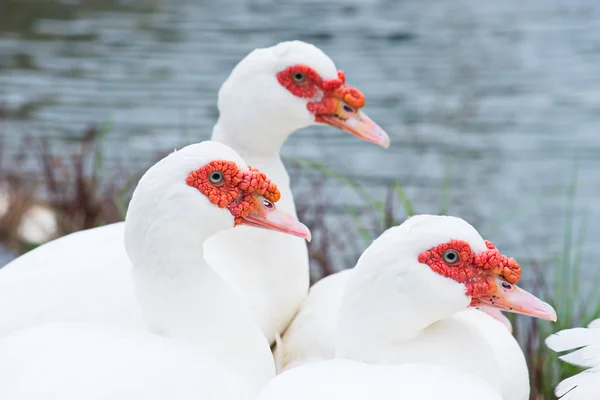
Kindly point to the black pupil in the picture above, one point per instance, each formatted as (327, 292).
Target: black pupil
(215, 176)
(506, 285)
(298, 77)
(451, 256)
(267, 203)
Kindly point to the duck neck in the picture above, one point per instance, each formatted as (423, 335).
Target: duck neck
(390, 305)
(182, 297)
(257, 138)
(260, 147)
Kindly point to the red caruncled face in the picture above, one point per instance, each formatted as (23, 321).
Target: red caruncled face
(478, 272)
(333, 102)
(303, 81)
(226, 185)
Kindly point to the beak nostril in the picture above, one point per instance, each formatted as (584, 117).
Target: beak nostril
(348, 109)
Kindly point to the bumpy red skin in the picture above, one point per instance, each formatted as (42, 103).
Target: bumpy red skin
(238, 190)
(333, 90)
(476, 271)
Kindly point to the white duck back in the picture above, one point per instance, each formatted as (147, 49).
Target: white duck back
(351, 380)
(97, 361)
(84, 276)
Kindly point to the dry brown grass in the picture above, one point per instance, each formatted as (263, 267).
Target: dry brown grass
(72, 186)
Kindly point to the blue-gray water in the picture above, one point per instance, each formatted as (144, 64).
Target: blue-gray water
(5, 256)
(502, 97)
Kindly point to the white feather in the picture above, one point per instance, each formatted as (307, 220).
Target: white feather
(583, 386)
(573, 338)
(586, 343)
(352, 380)
(74, 361)
(587, 357)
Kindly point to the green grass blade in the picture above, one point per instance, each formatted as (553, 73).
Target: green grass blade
(326, 171)
(494, 226)
(408, 208)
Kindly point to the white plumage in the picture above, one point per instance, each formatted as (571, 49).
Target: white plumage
(586, 345)
(391, 302)
(351, 380)
(94, 361)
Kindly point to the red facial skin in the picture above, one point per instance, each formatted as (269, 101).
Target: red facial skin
(333, 102)
(477, 271)
(237, 190)
(312, 85)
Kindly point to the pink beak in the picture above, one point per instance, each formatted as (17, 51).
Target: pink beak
(356, 123)
(267, 216)
(511, 298)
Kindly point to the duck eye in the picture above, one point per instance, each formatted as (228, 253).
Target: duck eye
(216, 178)
(451, 257)
(298, 77)
(506, 285)
(268, 204)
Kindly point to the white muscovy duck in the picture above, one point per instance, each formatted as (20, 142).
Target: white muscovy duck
(586, 343)
(203, 342)
(301, 86)
(392, 308)
(351, 380)
(269, 94)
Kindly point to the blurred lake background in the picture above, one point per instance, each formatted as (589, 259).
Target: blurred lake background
(493, 108)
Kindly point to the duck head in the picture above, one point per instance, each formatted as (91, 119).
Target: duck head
(292, 85)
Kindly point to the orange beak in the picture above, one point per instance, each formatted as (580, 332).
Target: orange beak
(267, 216)
(511, 298)
(355, 122)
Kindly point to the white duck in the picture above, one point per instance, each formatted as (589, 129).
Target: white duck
(584, 385)
(351, 380)
(269, 94)
(203, 341)
(391, 308)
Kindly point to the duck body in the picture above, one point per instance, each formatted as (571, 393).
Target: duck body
(274, 279)
(311, 337)
(398, 312)
(69, 280)
(352, 380)
(164, 368)
(199, 339)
